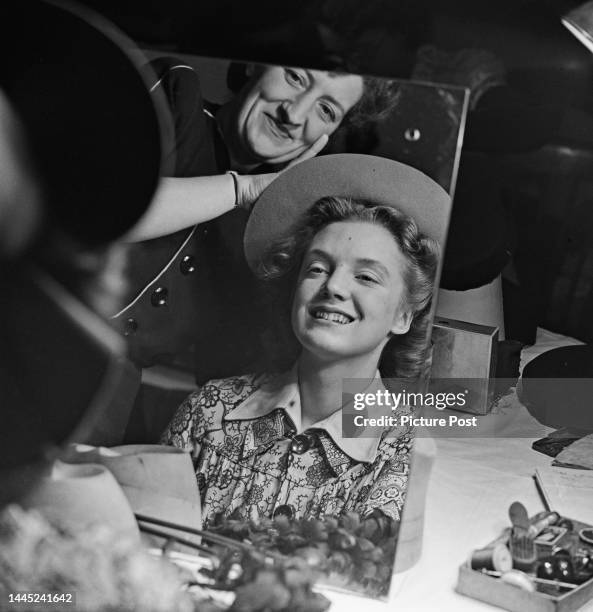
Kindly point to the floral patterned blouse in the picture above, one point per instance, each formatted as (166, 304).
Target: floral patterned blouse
(241, 433)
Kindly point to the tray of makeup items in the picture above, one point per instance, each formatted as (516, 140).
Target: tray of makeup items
(542, 563)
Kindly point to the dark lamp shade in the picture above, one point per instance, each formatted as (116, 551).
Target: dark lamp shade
(580, 23)
(91, 125)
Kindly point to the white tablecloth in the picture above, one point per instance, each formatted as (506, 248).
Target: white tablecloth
(473, 483)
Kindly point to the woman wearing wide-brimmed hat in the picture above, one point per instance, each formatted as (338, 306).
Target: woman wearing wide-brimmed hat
(356, 238)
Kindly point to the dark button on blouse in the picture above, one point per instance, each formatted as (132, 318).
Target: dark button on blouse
(285, 510)
(302, 443)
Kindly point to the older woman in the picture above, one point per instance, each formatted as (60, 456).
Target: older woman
(280, 116)
(362, 278)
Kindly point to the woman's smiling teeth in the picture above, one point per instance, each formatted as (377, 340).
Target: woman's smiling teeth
(334, 317)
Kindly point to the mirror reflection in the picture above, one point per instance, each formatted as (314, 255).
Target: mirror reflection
(339, 285)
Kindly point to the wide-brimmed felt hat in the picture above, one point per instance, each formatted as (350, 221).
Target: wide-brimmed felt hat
(91, 126)
(377, 180)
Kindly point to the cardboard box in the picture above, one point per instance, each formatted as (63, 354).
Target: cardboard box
(465, 352)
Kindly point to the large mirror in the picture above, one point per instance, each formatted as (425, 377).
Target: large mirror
(266, 470)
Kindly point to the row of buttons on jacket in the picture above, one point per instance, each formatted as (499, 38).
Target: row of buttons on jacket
(160, 295)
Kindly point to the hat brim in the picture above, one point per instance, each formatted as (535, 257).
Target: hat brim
(376, 179)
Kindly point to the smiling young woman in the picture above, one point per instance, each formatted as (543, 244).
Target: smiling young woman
(350, 295)
(357, 276)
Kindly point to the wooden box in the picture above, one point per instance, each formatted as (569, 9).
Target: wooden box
(492, 590)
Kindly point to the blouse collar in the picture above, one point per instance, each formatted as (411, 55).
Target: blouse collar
(282, 393)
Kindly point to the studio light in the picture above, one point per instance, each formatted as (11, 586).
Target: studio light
(579, 22)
